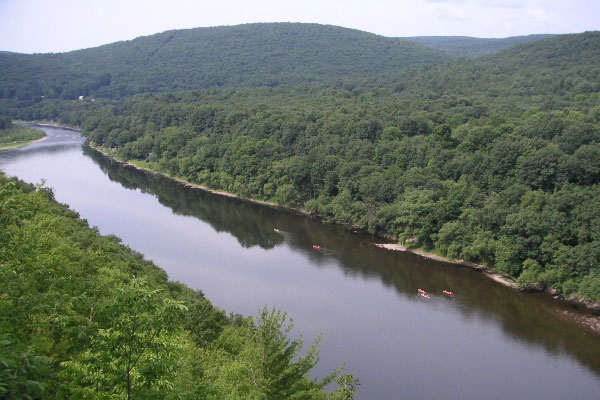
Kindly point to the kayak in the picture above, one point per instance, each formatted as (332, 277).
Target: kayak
(447, 293)
(317, 247)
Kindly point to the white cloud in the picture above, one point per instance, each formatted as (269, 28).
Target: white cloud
(538, 14)
(484, 3)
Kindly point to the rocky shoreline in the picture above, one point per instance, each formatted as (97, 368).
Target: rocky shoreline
(582, 317)
(506, 281)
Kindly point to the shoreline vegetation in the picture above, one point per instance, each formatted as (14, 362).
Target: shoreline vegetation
(14, 136)
(590, 321)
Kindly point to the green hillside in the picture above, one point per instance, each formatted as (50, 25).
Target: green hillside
(554, 68)
(466, 46)
(244, 55)
(84, 317)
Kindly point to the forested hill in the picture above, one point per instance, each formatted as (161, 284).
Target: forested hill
(271, 54)
(466, 46)
(557, 67)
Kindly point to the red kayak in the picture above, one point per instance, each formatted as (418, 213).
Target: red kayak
(423, 293)
(317, 247)
(447, 293)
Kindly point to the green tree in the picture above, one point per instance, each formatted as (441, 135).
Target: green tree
(262, 362)
(5, 122)
(541, 169)
(273, 368)
(133, 348)
(23, 373)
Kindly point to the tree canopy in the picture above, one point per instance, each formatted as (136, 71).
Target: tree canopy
(275, 54)
(466, 46)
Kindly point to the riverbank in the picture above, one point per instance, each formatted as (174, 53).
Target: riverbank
(53, 124)
(20, 136)
(195, 185)
(21, 144)
(592, 322)
(388, 246)
(487, 271)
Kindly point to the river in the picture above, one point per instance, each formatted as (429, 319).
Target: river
(489, 342)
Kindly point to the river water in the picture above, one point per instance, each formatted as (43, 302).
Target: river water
(488, 342)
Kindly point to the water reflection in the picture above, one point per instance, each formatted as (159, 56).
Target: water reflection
(248, 224)
(525, 318)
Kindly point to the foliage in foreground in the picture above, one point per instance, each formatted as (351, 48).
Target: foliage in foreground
(84, 317)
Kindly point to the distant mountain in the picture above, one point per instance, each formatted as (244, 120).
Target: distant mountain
(466, 46)
(557, 65)
(274, 54)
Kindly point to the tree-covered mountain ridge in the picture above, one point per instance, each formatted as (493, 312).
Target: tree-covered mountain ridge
(468, 46)
(266, 54)
(562, 66)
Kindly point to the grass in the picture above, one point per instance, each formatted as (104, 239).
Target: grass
(19, 136)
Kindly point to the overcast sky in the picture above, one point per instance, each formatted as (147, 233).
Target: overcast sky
(29, 26)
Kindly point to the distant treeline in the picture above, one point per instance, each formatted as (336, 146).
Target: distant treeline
(277, 54)
(466, 46)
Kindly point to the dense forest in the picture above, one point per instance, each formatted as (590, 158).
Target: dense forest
(85, 317)
(238, 56)
(466, 46)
